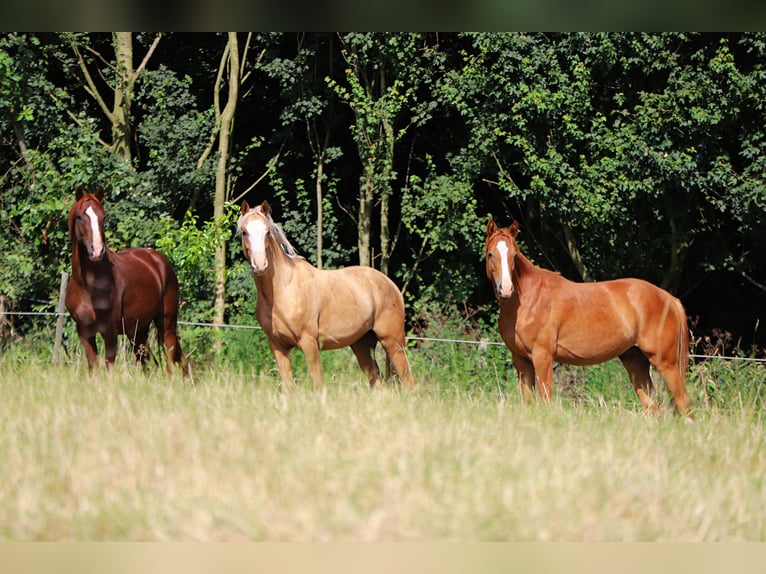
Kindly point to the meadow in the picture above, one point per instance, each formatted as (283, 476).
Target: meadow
(142, 456)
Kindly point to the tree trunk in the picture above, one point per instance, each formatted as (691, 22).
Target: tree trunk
(224, 138)
(123, 95)
(574, 253)
(385, 195)
(320, 173)
(126, 76)
(364, 220)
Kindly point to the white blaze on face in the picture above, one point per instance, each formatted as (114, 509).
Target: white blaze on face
(98, 240)
(505, 285)
(256, 237)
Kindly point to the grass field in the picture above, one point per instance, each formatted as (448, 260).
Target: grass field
(134, 456)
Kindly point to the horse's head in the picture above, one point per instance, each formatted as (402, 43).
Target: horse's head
(261, 237)
(254, 225)
(500, 254)
(86, 223)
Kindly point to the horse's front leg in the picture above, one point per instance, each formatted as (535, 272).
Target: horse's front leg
(526, 373)
(310, 348)
(110, 343)
(543, 362)
(91, 350)
(285, 366)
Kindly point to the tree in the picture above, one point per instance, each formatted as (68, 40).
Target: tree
(231, 63)
(602, 142)
(380, 83)
(309, 110)
(123, 81)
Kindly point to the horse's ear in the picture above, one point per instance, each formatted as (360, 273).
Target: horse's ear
(245, 207)
(265, 208)
(100, 194)
(491, 227)
(78, 193)
(514, 229)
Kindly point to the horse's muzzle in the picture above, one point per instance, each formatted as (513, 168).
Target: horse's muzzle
(505, 291)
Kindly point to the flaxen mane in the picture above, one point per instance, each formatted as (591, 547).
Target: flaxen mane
(274, 229)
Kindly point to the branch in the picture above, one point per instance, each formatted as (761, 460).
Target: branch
(217, 106)
(80, 123)
(76, 120)
(91, 86)
(269, 167)
(149, 53)
(242, 75)
(751, 280)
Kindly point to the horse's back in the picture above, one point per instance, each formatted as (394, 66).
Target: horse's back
(342, 305)
(376, 279)
(586, 323)
(147, 283)
(143, 266)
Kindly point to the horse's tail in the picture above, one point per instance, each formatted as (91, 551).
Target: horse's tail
(683, 341)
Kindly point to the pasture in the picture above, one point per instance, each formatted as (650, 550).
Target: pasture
(135, 456)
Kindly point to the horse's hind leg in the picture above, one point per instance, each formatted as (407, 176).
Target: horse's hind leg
(139, 346)
(674, 379)
(394, 346)
(364, 349)
(637, 365)
(173, 352)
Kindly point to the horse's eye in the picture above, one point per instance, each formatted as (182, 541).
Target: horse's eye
(490, 255)
(245, 233)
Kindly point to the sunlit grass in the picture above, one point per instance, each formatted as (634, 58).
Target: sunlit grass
(133, 456)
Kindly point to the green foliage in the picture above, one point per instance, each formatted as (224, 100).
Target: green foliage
(443, 357)
(190, 248)
(175, 133)
(620, 154)
(439, 214)
(611, 136)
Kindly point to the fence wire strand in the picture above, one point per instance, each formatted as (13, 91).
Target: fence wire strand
(482, 343)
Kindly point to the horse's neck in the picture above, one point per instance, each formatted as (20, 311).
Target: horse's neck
(92, 274)
(526, 274)
(281, 271)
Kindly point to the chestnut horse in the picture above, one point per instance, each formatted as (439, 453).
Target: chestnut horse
(313, 309)
(118, 293)
(546, 318)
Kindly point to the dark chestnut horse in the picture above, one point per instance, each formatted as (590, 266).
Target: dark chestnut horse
(312, 309)
(118, 293)
(546, 318)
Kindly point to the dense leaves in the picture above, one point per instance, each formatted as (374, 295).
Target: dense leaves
(620, 154)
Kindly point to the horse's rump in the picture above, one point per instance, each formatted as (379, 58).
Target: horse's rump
(350, 302)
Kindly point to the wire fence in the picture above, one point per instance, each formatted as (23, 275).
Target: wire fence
(481, 343)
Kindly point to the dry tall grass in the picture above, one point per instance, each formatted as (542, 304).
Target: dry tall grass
(141, 457)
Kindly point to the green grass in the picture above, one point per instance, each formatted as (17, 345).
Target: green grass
(134, 456)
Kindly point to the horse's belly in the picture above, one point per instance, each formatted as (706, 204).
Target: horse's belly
(338, 338)
(590, 353)
(129, 326)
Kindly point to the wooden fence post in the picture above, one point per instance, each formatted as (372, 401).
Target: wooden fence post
(60, 317)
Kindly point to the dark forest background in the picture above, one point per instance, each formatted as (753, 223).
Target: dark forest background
(620, 154)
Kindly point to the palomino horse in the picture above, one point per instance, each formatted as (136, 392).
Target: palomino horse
(313, 309)
(118, 293)
(546, 318)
